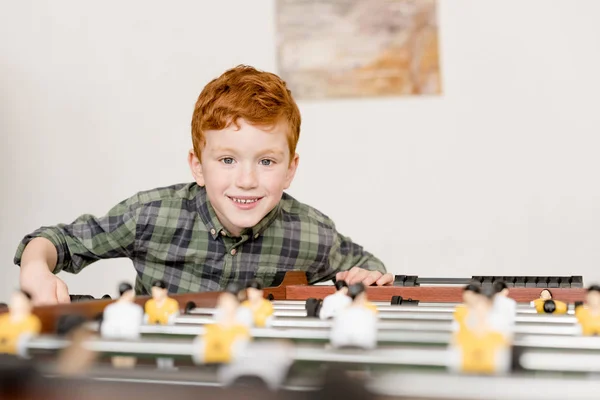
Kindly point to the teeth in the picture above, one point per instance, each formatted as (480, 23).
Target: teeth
(244, 201)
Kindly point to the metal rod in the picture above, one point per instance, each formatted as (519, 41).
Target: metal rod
(531, 359)
(541, 326)
(295, 309)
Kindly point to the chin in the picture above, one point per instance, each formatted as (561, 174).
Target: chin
(246, 222)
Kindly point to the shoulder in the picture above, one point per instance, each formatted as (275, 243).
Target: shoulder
(172, 303)
(294, 209)
(178, 193)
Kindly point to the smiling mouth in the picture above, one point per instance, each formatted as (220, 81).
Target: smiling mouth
(244, 200)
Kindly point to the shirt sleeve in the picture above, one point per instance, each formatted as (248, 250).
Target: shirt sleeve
(90, 238)
(344, 255)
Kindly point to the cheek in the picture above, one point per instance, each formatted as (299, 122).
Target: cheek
(274, 180)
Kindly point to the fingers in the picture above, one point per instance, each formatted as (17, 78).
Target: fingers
(371, 278)
(355, 275)
(45, 299)
(62, 292)
(386, 279)
(368, 278)
(341, 276)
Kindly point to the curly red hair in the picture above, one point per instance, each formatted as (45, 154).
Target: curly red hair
(260, 98)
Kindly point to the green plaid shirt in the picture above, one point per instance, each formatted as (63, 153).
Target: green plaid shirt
(173, 234)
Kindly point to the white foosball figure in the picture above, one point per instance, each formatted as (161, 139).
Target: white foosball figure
(333, 303)
(356, 325)
(269, 361)
(122, 320)
(482, 343)
(503, 305)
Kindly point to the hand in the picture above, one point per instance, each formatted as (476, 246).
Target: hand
(368, 278)
(45, 287)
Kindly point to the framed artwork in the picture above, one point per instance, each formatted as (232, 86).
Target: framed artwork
(352, 48)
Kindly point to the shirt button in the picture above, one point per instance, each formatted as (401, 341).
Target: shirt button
(256, 236)
(233, 251)
(212, 231)
(223, 233)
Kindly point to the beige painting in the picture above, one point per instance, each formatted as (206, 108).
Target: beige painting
(350, 48)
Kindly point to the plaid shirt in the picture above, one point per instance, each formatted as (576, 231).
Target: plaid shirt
(173, 234)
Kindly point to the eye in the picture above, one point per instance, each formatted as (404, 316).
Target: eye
(227, 160)
(266, 162)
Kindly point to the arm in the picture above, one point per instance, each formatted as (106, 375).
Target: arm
(71, 247)
(350, 262)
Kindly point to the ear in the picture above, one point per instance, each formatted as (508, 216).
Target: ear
(196, 168)
(291, 171)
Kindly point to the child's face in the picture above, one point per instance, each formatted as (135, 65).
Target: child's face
(245, 171)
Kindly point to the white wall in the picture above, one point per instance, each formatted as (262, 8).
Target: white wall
(497, 176)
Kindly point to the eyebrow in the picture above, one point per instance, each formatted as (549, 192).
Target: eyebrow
(228, 150)
(273, 151)
(223, 150)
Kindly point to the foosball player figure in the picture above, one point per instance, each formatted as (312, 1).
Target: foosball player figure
(76, 359)
(469, 295)
(336, 302)
(482, 345)
(122, 320)
(547, 305)
(503, 304)
(18, 324)
(262, 309)
(161, 309)
(588, 315)
(227, 336)
(356, 325)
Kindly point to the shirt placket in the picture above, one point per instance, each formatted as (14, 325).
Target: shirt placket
(233, 247)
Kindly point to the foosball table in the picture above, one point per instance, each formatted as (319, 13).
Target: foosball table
(292, 355)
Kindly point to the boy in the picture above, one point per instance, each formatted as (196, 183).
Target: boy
(234, 223)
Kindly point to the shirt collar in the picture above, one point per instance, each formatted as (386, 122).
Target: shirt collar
(215, 228)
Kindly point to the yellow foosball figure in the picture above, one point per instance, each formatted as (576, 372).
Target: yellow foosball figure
(547, 305)
(482, 343)
(588, 315)
(227, 336)
(18, 323)
(262, 309)
(161, 309)
(469, 298)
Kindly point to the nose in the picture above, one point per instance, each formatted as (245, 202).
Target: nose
(246, 178)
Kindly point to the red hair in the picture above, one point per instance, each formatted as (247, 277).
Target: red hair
(260, 98)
